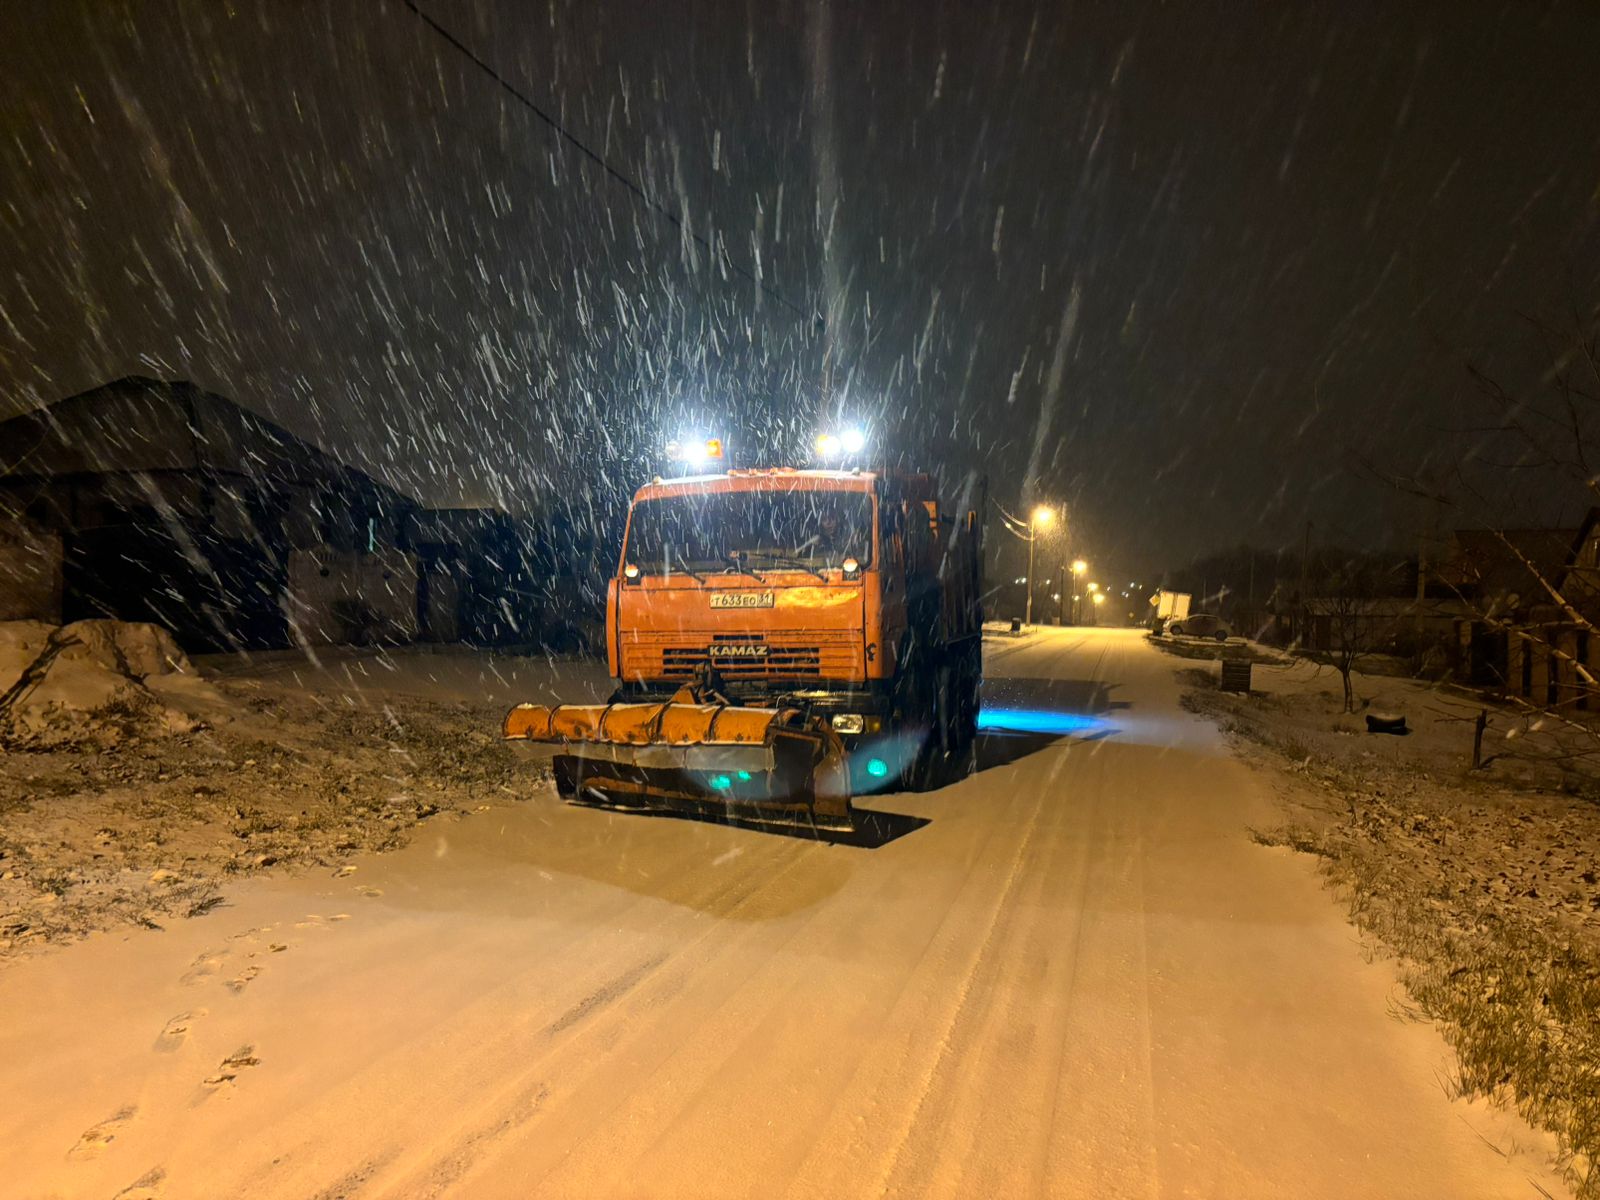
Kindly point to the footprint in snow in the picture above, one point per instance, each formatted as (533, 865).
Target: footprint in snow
(203, 967)
(318, 921)
(242, 980)
(175, 1030)
(241, 1059)
(97, 1137)
(146, 1187)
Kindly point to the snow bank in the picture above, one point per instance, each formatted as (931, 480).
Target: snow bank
(97, 681)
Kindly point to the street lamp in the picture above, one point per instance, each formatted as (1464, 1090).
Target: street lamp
(1042, 517)
(1079, 567)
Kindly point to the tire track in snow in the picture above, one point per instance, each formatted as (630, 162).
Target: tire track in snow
(572, 1035)
(954, 1014)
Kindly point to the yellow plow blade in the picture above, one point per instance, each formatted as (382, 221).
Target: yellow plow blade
(765, 764)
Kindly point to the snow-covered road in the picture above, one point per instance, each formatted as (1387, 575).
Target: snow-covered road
(1072, 974)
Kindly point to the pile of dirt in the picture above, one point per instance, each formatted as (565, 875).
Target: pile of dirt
(97, 683)
(119, 828)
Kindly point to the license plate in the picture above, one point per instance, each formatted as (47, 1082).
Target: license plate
(742, 599)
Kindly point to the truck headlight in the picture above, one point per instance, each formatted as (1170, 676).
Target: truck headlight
(848, 722)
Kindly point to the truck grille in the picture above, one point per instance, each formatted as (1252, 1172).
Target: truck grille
(744, 657)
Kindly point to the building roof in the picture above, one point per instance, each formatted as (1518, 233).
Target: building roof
(1504, 562)
(135, 424)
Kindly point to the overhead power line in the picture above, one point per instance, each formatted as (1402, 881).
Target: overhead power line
(1015, 525)
(594, 156)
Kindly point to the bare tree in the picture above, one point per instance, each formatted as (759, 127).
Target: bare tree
(1348, 598)
(1540, 444)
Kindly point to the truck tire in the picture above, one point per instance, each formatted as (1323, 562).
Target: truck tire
(914, 714)
(945, 739)
(949, 753)
(964, 737)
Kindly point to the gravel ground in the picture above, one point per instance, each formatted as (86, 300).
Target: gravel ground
(135, 784)
(148, 830)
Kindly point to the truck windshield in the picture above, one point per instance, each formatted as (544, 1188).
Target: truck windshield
(769, 531)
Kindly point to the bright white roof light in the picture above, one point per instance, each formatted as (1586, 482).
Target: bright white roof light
(694, 451)
(853, 441)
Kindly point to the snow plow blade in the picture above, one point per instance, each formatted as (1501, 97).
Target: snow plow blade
(763, 764)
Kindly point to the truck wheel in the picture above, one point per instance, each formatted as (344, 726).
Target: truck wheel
(902, 705)
(974, 692)
(924, 773)
(952, 743)
(946, 739)
(964, 737)
(963, 761)
(918, 707)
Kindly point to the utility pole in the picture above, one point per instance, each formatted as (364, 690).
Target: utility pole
(1305, 581)
(1424, 540)
(1033, 536)
(1250, 595)
(1042, 515)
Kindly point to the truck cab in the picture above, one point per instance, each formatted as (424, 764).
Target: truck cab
(846, 593)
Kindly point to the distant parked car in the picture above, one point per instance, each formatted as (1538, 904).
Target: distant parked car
(1200, 625)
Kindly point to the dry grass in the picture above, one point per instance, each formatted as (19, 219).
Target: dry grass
(1490, 913)
(149, 830)
(1213, 651)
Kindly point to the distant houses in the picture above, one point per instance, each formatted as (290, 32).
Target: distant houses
(160, 501)
(1511, 611)
(1555, 647)
(1515, 636)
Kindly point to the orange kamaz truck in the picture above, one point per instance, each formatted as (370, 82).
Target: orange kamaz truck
(782, 639)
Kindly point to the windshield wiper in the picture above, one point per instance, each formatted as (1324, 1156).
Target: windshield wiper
(683, 562)
(787, 560)
(736, 563)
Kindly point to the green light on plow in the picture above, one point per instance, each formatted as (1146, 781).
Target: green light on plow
(745, 776)
(877, 768)
(721, 782)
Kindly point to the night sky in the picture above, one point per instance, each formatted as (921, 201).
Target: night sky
(1185, 267)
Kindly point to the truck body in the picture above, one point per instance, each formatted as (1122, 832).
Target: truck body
(1170, 606)
(853, 595)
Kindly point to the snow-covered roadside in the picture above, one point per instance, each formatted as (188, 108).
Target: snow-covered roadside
(298, 765)
(1482, 882)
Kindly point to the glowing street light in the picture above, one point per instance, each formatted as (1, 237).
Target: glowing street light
(1042, 517)
(1079, 567)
